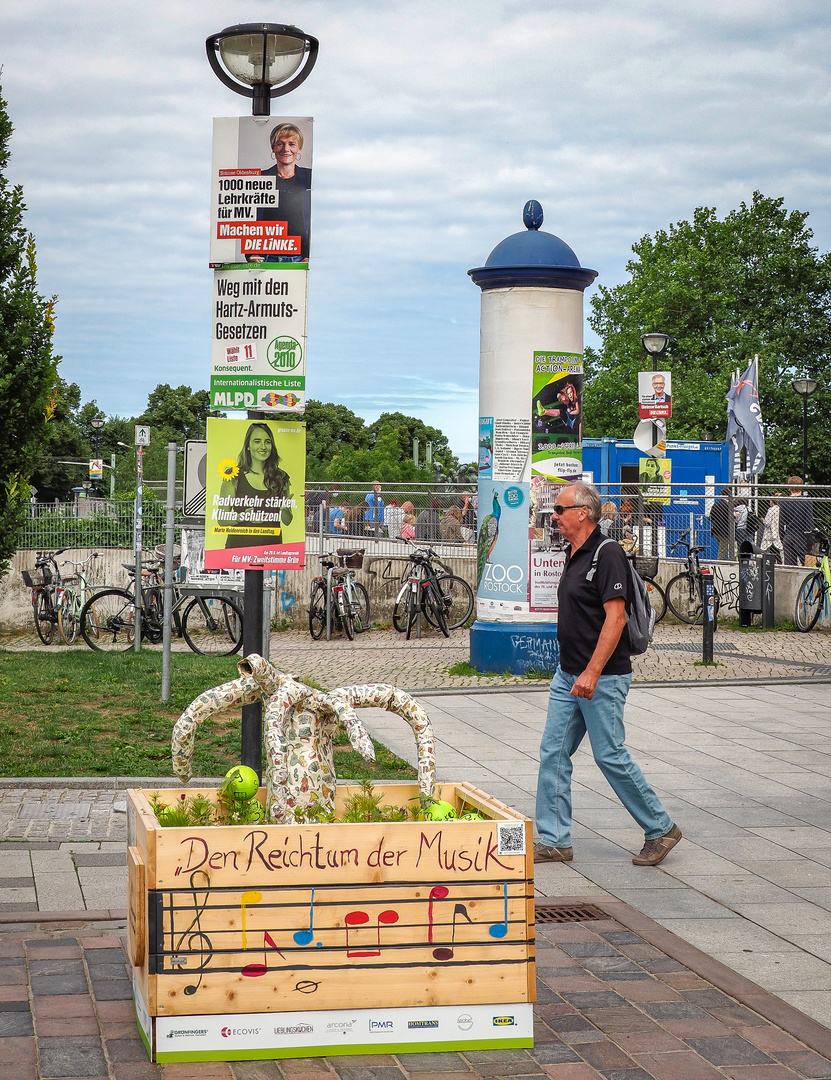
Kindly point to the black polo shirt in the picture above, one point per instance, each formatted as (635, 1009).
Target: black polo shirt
(581, 612)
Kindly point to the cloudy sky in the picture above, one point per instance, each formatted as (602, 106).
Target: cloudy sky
(434, 123)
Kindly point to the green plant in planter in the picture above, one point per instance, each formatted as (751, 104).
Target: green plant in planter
(365, 805)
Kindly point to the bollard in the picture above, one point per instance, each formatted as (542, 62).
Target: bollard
(708, 603)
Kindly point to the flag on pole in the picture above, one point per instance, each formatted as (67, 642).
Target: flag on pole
(744, 420)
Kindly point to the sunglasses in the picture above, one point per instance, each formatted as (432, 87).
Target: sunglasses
(560, 510)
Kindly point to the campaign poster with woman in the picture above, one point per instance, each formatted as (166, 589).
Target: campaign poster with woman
(255, 480)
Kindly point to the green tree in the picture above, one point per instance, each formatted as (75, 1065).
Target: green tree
(407, 428)
(724, 290)
(28, 368)
(63, 440)
(330, 429)
(176, 414)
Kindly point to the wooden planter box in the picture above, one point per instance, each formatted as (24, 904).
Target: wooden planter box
(266, 941)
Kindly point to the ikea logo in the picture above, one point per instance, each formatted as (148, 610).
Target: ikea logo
(503, 1021)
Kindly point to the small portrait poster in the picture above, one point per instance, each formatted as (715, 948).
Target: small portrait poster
(655, 478)
(654, 395)
(255, 481)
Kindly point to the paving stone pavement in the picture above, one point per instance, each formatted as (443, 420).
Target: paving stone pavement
(610, 1004)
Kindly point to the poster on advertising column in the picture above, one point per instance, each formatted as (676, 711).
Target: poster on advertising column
(261, 186)
(502, 549)
(557, 416)
(258, 355)
(546, 547)
(255, 479)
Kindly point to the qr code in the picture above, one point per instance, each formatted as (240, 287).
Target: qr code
(511, 838)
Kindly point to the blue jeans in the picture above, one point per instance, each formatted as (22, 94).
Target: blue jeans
(569, 718)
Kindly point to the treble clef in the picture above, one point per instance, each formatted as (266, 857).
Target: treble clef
(203, 941)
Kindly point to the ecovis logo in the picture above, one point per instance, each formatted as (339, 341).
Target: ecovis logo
(227, 1032)
(381, 1025)
(503, 1021)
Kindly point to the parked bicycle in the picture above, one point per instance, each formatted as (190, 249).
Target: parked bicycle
(47, 588)
(646, 567)
(812, 598)
(75, 593)
(210, 624)
(456, 595)
(336, 591)
(684, 591)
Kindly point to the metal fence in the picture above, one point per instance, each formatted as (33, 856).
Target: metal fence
(654, 519)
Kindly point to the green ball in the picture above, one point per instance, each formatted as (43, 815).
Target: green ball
(243, 783)
(439, 811)
(255, 813)
(471, 815)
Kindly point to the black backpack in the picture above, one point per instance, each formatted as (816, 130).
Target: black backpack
(640, 615)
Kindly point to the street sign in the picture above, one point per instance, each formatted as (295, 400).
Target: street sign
(142, 435)
(193, 488)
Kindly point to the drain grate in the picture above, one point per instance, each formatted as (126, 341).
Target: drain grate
(693, 647)
(564, 913)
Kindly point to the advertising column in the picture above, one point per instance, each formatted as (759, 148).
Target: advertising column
(530, 436)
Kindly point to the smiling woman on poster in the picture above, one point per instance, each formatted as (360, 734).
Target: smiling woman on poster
(261, 482)
(294, 185)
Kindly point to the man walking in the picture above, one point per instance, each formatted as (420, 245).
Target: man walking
(588, 691)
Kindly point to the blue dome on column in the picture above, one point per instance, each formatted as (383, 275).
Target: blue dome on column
(532, 258)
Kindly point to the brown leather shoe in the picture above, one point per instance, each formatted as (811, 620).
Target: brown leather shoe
(654, 851)
(544, 853)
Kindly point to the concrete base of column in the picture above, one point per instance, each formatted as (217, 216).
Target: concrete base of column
(514, 647)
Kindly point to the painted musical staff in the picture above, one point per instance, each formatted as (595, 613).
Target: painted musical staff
(444, 953)
(206, 948)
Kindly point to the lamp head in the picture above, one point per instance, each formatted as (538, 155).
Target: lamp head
(805, 387)
(655, 343)
(262, 60)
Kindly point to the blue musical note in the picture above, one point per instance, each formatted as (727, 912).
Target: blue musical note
(499, 930)
(306, 937)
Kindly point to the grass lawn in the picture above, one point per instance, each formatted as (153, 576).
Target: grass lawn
(91, 714)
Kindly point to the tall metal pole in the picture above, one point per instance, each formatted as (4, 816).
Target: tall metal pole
(138, 544)
(804, 438)
(170, 509)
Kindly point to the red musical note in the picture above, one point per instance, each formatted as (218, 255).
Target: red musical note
(445, 953)
(438, 892)
(360, 918)
(253, 971)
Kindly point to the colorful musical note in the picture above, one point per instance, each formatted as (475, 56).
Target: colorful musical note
(360, 918)
(254, 971)
(499, 930)
(438, 892)
(252, 897)
(306, 937)
(445, 953)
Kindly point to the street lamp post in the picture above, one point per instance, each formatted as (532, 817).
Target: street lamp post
(804, 387)
(96, 424)
(656, 345)
(260, 61)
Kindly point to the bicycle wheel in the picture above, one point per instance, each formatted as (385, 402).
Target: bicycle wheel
(152, 623)
(359, 602)
(434, 608)
(809, 602)
(657, 599)
(44, 623)
(212, 626)
(69, 616)
(88, 598)
(317, 612)
(399, 612)
(684, 600)
(108, 621)
(412, 611)
(458, 600)
(344, 610)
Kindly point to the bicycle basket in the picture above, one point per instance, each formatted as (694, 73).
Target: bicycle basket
(353, 558)
(28, 580)
(646, 566)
